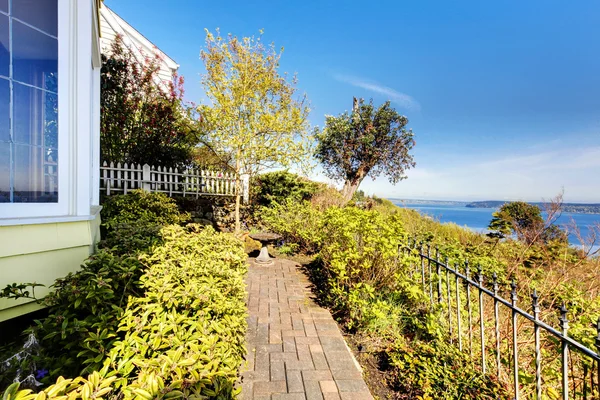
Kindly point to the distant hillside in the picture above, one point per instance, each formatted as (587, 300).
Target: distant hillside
(430, 202)
(567, 207)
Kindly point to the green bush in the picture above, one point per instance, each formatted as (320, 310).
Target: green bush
(281, 186)
(297, 222)
(368, 282)
(361, 253)
(435, 370)
(179, 333)
(140, 207)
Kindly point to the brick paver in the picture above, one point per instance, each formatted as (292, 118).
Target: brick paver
(295, 349)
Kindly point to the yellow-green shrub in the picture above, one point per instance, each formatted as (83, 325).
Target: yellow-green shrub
(297, 222)
(181, 335)
(139, 206)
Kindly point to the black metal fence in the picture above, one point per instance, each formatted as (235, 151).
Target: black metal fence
(554, 365)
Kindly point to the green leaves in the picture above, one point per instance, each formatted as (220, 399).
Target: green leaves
(367, 142)
(166, 321)
(143, 118)
(252, 118)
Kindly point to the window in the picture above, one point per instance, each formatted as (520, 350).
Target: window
(29, 133)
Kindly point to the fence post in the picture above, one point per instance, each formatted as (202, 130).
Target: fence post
(439, 275)
(564, 324)
(245, 188)
(458, 313)
(429, 274)
(536, 328)
(422, 267)
(496, 322)
(513, 298)
(598, 350)
(481, 316)
(447, 268)
(146, 179)
(469, 307)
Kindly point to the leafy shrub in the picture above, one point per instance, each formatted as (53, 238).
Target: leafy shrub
(326, 197)
(83, 313)
(179, 334)
(141, 122)
(140, 207)
(131, 238)
(296, 222)
(436, 370)
(281, 186)
(362, 275)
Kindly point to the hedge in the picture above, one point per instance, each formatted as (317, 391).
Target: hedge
(184, 337)
(162, 316)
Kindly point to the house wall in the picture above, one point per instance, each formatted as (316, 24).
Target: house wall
(41, 253)
(111, 25)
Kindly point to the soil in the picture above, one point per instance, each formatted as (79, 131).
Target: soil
(374, 375)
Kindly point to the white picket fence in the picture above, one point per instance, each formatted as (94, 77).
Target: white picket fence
(122, 178)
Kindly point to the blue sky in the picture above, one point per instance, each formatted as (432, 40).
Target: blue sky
(503, 97)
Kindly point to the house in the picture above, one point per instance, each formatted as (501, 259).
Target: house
(112, 25)
(49, 141)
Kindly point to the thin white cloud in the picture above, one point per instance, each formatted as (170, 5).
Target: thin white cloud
(402, 99)
(530, 176)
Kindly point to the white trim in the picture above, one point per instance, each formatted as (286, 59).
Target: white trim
(96, 48)
(18, 210)
(78, 122)
(83, 84)
(95, 140)
(120, 26)
(52, 220)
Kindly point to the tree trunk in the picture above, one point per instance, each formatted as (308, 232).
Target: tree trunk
(349, 190)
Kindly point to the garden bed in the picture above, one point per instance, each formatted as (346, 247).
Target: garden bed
(158, 312)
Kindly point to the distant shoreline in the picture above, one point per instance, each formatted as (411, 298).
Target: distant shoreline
(580, 208)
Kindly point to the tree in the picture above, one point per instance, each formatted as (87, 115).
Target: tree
(253, 118)
(367, 142)
(526, 222)
(514, 217)
(141, 122)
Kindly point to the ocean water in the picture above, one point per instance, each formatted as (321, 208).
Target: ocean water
(477, 219)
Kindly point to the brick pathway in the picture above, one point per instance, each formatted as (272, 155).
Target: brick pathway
(295, 348)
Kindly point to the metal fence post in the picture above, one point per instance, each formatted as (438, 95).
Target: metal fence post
(564, 324)
(598, 350)
(449, 300)
(536, 328)
(497, 323)
(422, 266)
(469, 307)
(458, 318)
(481, 316)
(429, 271)
(439, 275)
(513, 298)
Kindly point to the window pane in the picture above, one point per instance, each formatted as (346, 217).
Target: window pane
(4, 54)
(4, 172)
(35, 175)
(41, 14)
(4, 110)
(35, 57)
(35, 116)
(4, 5)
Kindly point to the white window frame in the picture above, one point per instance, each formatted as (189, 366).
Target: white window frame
(66, 82)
